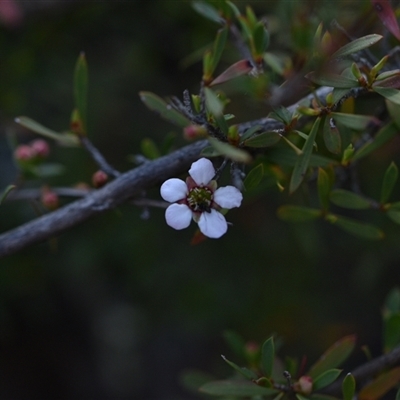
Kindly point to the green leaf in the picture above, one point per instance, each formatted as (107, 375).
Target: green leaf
(394, 215)
(216, 108)
(281, 114)
(301, 397)
(66, 139)
(319, 396)
(398, 395)
(338, 93)
(389, 93)
(332, 138)
(303, 160)
(283, 156)
(361, 229)
(394, 112)
(233, 7)
(324, 188)
(157, 104)
(336, 81)
(218, 47)
(381, 385)
(207, 11)
(253, 178)
(348, 387)
(326, 378)
(389, 180)
(334, 356)
(357, 45)
(392, 302)
(263, 139)
(260, 38)
(391, 332)
(243, 371)
(230, 151)
(346, 199)
(250, 132)
(48, 170)
(386, 133)
(210, 151)
(149, 149)
(268, 356)
(235, 342)
(81, 89)
(235, 388)
(354, 121)
(6, 192)
(298, 213)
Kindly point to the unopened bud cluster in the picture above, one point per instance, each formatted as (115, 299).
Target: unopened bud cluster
(34, 151)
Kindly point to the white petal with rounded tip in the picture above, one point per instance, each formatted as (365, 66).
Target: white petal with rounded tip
(178, 216)
(202, 171)
(213, 224)
(228, 197)
(173, 190)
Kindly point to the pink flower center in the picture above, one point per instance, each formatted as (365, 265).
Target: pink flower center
(199, 199)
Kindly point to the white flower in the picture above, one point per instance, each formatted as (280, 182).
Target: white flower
(198, 198)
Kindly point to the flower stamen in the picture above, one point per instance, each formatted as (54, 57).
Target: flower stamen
(199, 199)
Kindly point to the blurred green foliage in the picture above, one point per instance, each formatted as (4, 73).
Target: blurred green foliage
(120, 306)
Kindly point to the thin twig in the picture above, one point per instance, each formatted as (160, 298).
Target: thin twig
(98, 157)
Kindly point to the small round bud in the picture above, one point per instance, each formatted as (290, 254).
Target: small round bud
(24, 153)
(192, 132)
(99, 179)
(304, 385)
(41, 148)
(50, 199)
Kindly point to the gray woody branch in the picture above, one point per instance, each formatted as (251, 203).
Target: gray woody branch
(126, 186)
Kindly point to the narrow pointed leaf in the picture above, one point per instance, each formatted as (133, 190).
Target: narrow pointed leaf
(160, 106)
(207, 11)
(253, 178)
(6, 192)
(347, 199)
(281, 114)
(348, 387)
(334, 356)
(331, 134)
(336, 81)
(81, 89)
(301, 397)
(354, 227)
(243, 371)
(389, 180)
(264, 139)
(298, 213)
(386, 133)
(235, 342)
(391, 94)
(242, 67)
(260, 38)
(236, 388)
(392, 81)
(387, 16)
(230, 151)
(250, 132)
(357, 45)
(303, 160)
(394, 112)
(218, 47)
(392, 302)
(66, 139)
(381, 385)
(268, 356)
(394, 215)
(326, 378)
(354, 121)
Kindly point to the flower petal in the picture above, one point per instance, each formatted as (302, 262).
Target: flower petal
(178, 216)
(202, 171)
(212, 224)
(173, 190)
(228, 197)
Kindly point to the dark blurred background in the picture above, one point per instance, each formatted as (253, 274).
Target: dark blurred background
(120, 307)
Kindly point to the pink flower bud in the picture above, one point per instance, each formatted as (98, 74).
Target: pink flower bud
(41, 148)
(50, 199)
(304, 385)
(24, 153)
(99, 179)
(192, 132)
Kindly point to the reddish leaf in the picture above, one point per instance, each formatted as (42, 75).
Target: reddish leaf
(387, 15)
(240, 68)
